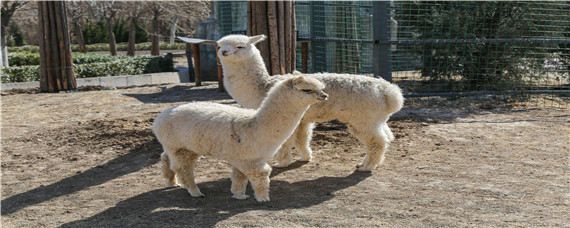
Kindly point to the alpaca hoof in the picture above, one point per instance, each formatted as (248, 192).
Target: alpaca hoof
(240, 197)
(262, 199)
(169, 183)
(282, 164)
(306, 159)
(196, 194)
(365, 168)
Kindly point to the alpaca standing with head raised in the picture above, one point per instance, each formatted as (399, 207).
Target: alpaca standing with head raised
(364, 103)
(245, 138)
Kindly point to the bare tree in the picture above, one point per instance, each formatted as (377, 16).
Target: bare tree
(179, 12)
(108, 10)
(185, 15)
(135, 11)
(157, 10)
(76, 13)
(174, 21)
(8, 10)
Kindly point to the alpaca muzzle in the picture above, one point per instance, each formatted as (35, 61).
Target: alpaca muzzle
(323, 96)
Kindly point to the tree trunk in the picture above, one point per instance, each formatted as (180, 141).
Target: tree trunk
(277, 21)
(5, 20)
(112, 41)
(4, 54)
(56, 64)
(132, 36)
(79, 37)
(155, 44)
(173, 29)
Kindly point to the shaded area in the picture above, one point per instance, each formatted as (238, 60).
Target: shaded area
(141, 150)
(181, 93)
(173, 207)
(136, 159)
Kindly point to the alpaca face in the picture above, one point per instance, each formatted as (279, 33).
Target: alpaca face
(309, 90)
(238, 48)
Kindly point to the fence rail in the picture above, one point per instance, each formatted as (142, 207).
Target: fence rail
(465, 48)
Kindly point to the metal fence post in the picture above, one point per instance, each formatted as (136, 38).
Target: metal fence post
(318, 30)
(381, 52)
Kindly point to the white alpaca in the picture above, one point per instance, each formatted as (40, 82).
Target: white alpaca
(363, 103)
(245, 138)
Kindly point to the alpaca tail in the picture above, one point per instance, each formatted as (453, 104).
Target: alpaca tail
(393, 98)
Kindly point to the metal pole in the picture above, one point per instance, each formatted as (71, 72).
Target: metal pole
(318, 30)
(382, 53)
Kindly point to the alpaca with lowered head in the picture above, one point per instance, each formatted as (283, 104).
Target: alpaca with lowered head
(245, 138)
(364, 103)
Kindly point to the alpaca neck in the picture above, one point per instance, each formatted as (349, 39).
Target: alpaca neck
(247, 82)
(278, 115)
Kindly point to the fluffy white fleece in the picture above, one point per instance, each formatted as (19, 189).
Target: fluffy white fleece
(245, 138)
(363, 103)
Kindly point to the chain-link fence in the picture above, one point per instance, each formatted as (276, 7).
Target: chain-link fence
(499, 51)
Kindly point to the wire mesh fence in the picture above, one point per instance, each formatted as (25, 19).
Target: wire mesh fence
(504, 52)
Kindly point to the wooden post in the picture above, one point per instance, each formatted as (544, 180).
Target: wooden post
(304, 57)
(197, 69)
(56, 63)
(277, 21)
(189, 55)
(220, 72)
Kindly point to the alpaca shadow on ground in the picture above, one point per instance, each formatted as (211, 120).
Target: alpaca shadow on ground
(137, 159)
(173, 207)
(181, 93)
(277, 170)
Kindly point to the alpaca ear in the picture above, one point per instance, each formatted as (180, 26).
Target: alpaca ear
(291, 82)
(297, 80)
(256, 39)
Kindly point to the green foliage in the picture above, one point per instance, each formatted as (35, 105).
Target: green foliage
(121, 31)
(483, 66)
(104, 47)
(23, 59)
(18, 38)
(94, 65)
(141, 35)
(19, 74)
(27, 48)
(95, 32)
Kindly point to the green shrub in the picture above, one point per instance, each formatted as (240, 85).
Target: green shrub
(23, 59)
(20, 74)
(96, 66)
(102, 47)
(82, 58)
(27, 58)
(27, 48)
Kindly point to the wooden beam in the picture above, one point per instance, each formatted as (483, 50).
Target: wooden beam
(281, 35)
(197, 65)
(220, 72)
(273, 38)
(304, 57)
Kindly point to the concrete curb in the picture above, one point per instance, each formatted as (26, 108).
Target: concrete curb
(117, 81)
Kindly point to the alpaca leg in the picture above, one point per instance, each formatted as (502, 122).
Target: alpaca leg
(258, 175)
(183, 163)
(376, 142)
(284, 155)
(167, 173)
(303, 135)
(388, 132)
(239, 184)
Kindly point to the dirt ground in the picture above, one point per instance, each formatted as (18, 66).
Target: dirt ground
(89, 159)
